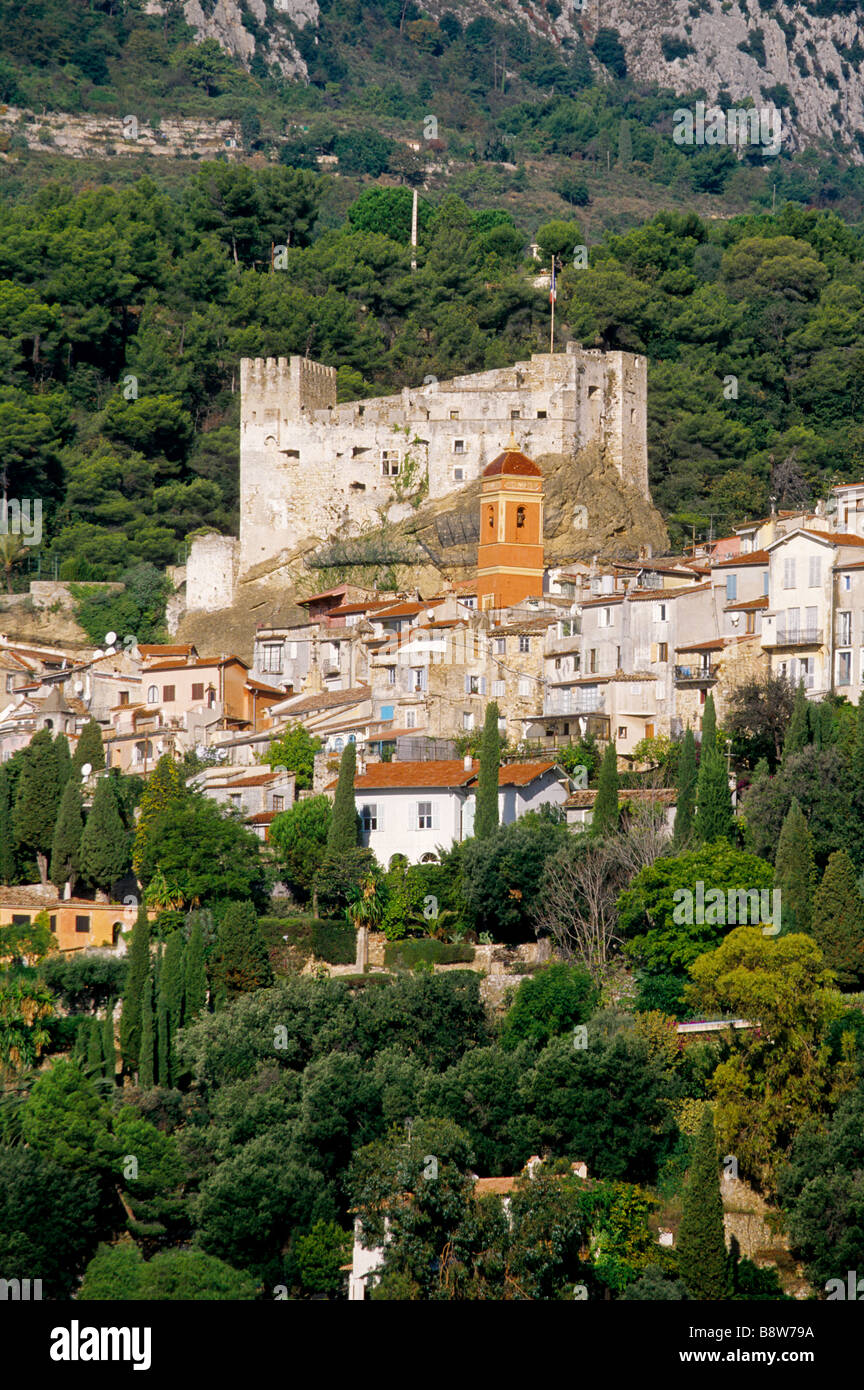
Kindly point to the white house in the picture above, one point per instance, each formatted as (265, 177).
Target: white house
(417, 808)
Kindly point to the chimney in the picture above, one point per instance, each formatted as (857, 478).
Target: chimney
(468, 763)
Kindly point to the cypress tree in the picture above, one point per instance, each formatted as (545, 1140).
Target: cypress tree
(8, 867)
(486, 807)
(89, 749)
(145, 1061)
(95, 1058)
(604, 821)
(109, 1052)
(66, 845)
(136, 979)
(164, 1042)
(164, 786)
(713, 819)
(194, 975)
(794, 871)
(104, 844)
(709, 727)
(64, 758)
(820, 723)
(797, 733)
(686, 791)
(838, 920)
(242, 962)
(37, 800)
(171, 991)
(342, 834)
(701, 1245)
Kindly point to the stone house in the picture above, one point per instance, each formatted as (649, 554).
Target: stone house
(257, 794)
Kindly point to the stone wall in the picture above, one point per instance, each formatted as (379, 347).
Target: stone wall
(211, 573)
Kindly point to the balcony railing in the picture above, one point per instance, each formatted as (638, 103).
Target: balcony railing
(796, 637)
(696, 674)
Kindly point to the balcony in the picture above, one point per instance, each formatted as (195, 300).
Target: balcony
(696, 674)
(795, 637)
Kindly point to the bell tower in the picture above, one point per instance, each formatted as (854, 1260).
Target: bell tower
(510, 551)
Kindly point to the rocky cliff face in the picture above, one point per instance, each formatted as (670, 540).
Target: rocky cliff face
(732, 48)
(268, 34)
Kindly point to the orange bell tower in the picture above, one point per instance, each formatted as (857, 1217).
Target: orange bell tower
(510, 551)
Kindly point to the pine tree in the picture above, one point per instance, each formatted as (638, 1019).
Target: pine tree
(64, 758)
(342, 834)
(194, 975)
(37, 800)
(604, 821)
(838, 920)
(104, 844)
(686, 791)
(109, 1051)
(136, 979)
(164, 786)
(146, 1075)
(89, 749)
(797, 733)
(66, 845)
(486, 804)
(242, 962)
(709, 727)
(171, 991)
(713, 819)
(8, 866)
(794, 870)
(702, 1260)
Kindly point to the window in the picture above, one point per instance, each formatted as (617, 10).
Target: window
(617, 658)
(524, 685)
(622, 730)
(844, 628)
(20, 919)
(369, 818)
(490, 517)
(788, 573)
(499, 689)
(386, 711)
(454, 414)
(515, 414)
(524, 644)
(731, 588)
(844, 668)
(391, 675)
(124, 697)
(458, 446)
(235, 799)
(604, 617)
(660, 612)
(793, 622)
(847, 585)
(278, 802)
(82, 923)
(475, 685)
(390, 463)
(52, 923)
(815, 572)
(500, 646)
(168, 694)
(458, 475)
(424, 815)
(750, 622)
(467, 720)
(765, 581)
(410, 719)
(662, 651)
(557, 663)
(271, 657)
(541, 414)
(520, 518)
(197, 690)
(418, 678)
(152, 695)
(592, 661)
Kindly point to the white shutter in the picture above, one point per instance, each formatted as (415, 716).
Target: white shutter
(436, 822)
(412, 815)
(379, 814)
(482, 685)
(654, 651)
(467, 685)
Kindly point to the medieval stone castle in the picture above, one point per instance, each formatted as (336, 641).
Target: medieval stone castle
(311, 469)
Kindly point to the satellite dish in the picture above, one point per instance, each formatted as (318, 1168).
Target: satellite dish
(222, 754)
(200, 750)
(98, 652)
(109, 651)
(110, 638)
(86, 769)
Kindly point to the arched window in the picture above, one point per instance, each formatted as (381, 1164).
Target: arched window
(491, 514)
(520, 517)
(339, 745)
(152, 695)
(429, 858)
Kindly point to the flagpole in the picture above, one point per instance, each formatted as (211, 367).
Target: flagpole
(552, 297)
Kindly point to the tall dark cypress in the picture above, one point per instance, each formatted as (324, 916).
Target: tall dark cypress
(342, 834)
(8, 865)
(686, 791)
(171, 992)
(798, 730)
(702, 1262)
(604, 821)
(486, 810)
(66, 845)
(146, 1067)
(794, 870)
(136, 978)
(194, 975)
(709, 726)
(109, 1051)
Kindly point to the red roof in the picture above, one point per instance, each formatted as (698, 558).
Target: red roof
(445, 772)
(512, 462)
(198, 665)
(754, 557)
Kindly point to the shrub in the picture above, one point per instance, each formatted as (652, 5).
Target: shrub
(407, 955)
